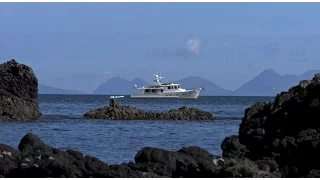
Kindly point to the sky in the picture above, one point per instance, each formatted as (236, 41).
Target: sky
(85, 44)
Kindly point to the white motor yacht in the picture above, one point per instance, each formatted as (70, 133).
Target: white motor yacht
(165, 90)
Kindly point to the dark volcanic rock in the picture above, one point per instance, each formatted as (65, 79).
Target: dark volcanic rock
(282, 137)
(18, 92)
(194, 162)
(116, 111)
(9, 159)
(231, 147)
(187, 162)
(36, 159)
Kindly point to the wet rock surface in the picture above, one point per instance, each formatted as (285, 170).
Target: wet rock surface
(18, 92)
(116, 111)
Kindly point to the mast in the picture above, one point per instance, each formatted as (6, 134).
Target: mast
(157, 79)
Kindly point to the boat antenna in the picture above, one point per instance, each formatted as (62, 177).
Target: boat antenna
(158, 69)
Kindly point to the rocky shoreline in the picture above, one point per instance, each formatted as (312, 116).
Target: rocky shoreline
(276, 139)
(34, 158)
(117, 112)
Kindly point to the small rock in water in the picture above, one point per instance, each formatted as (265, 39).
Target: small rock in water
(116, 111)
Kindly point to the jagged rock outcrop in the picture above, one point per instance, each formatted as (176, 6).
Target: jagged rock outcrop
(18, 92)
(283, 137)
(116, 111)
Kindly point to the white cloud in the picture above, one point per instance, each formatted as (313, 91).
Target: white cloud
(193, 45)
(192, 48)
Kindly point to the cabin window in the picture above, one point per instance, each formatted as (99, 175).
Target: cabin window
(169, 87)
(161, 90)
(176, 87)
(147, 90)
(153, 90)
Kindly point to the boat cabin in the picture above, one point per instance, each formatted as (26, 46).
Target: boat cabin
(158, 89)
(174, 87)
(153, 90)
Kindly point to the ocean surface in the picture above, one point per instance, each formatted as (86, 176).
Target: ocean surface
(116, 141)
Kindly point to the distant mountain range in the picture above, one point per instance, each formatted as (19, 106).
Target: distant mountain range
(267, 83)
(211, 89)
(44, 89)
(118, 86)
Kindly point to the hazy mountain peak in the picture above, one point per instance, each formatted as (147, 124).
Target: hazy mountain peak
(311, 72)
(308, 74)
(195, 78)
(116, 79)
(269, 83)
(268, 72)
(192, 82)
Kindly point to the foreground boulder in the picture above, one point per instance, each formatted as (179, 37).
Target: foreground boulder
(282, 137)
(36, 159)
(194, 162)
(116, 111)
(18, 92)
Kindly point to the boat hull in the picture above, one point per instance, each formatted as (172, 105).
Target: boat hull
(171, 95)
